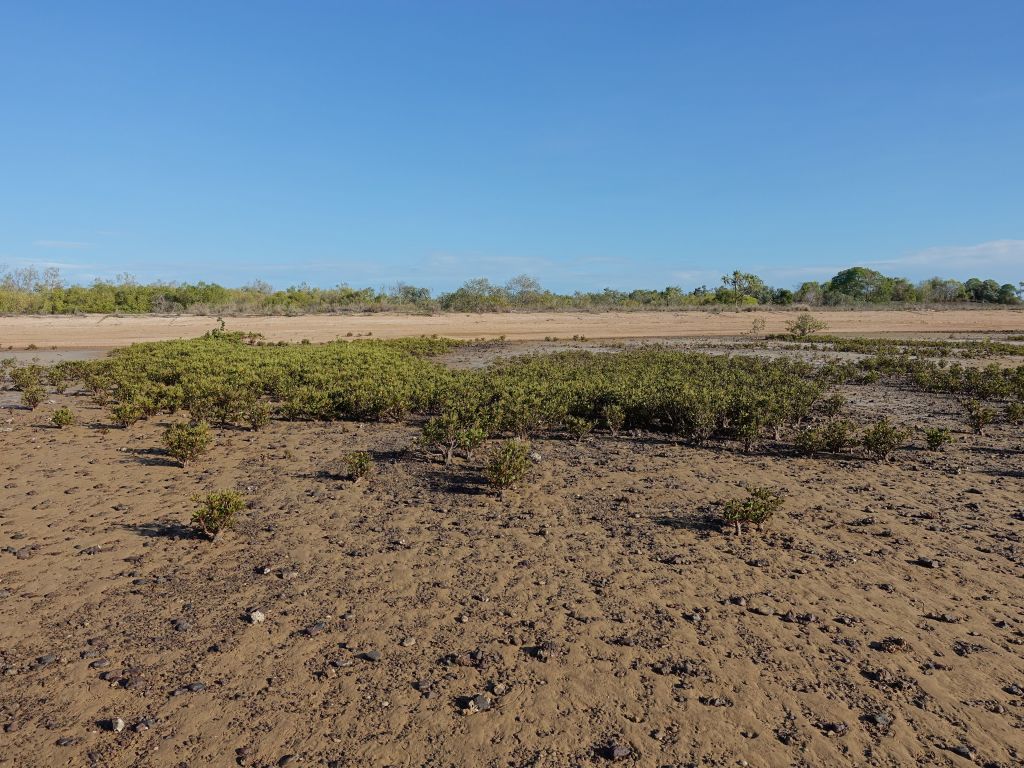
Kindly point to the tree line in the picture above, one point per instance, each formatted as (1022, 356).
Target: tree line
(29, 291)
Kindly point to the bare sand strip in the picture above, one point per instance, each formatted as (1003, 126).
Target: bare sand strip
(107, 331)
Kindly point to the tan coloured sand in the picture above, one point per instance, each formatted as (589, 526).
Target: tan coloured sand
(607, 618)
(107, 331)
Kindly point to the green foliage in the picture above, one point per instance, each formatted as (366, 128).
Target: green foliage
(63, 417)
(358, 464)
(126, 413)
(58, 377)
(508, 464)
(805, 324)
(454, 429)
(217, 511)
(578, 427)
(223, 378)
(979, 416)
(27, 290)
(860, 284)
(32, 395)
(27, 376)
(187, 441)
(882, 438)
(832, 405)
(836, 436)
(257, 415)
(614, 417)
(993, 382)
(937, 438)
(761, 503)
(1014, 413)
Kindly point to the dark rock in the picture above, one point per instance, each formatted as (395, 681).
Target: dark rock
(881, 719)
(314, 629)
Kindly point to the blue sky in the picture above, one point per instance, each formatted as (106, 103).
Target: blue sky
(589, 144)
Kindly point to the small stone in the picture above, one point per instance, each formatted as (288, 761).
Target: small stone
(891, 645)
(834, 729)
(261, 570)
(715, 701)
(196, 687)
(256, 617)
(479, 703)
(620, 751)
(314, 629)
(117, 724)
(182, 625)
(370, 656)
(881, 719)
(408, 642)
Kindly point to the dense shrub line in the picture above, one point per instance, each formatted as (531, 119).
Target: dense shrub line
(235, 379)
(27, 290)
(222, 379)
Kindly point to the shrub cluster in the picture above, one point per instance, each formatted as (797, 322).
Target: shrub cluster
(761, 503)
(508, 464)
(217, 511)
(228, 379)
(62, 417)
(187, 441)
(358, 464)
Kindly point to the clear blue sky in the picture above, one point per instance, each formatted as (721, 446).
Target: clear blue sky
(589, 143)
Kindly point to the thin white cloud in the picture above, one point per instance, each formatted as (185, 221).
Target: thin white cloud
(992, 254)
(59, 244)
(17, 262)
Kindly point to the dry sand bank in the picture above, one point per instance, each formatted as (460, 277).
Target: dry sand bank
(106, 331)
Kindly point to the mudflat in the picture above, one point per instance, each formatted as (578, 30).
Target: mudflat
(107, 331)
(600, 614)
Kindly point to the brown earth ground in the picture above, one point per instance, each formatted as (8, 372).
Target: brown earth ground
(107, 331)
(601, 609)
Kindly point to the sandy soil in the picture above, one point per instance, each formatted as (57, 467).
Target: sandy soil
(105, 331)
(604, 615)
